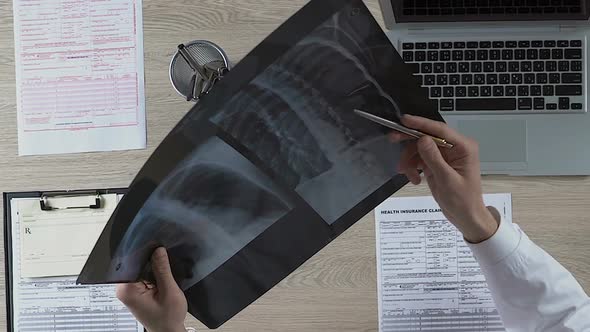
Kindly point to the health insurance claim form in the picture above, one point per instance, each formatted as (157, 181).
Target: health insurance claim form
(79, 75)
(428, 279)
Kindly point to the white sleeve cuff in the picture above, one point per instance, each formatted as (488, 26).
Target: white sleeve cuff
(499, 246)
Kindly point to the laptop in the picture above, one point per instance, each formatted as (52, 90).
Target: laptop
(510, 73)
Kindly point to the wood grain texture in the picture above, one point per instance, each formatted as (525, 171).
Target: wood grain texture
(336, 289)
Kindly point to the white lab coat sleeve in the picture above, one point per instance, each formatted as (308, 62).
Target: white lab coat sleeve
(532, 291)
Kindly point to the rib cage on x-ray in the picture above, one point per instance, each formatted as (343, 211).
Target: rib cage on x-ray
(204, 212)
(297, 116)
(269, 167)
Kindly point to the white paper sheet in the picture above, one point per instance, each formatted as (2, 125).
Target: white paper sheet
(57, 304)
(58, 243)
(79, 75)
(428, 279)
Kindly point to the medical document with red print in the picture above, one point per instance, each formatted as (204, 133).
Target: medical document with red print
(79, 75)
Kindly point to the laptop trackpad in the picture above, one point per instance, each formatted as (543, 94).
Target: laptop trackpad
(499, 140)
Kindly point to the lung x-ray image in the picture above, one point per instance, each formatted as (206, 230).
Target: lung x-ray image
(269, 167)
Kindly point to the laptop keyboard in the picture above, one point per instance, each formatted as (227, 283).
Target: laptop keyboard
(490, 7)
(495, 75)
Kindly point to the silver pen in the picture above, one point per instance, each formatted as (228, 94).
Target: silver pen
(405, 130)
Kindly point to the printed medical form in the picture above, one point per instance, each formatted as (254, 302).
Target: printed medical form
(428, 279)
(56, 304)
(57, 243)
(79, 75)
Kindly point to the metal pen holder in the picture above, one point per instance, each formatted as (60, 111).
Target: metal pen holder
(196, 67)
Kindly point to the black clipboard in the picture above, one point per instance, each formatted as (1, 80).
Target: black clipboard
(45, 206)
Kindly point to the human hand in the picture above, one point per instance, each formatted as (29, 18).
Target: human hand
(161, 307)
(453, 176)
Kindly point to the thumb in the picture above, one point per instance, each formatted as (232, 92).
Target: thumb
(129, 294)
(432, 157)
(162, 271)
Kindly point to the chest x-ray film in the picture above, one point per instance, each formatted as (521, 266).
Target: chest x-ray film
(270, 166)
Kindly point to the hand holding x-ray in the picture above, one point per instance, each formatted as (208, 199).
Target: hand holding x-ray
(160, 307)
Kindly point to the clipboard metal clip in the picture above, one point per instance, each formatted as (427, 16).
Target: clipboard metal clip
(44, 200)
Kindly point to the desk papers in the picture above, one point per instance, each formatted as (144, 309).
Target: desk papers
(57, 243)
(79, 76)
(428, 279)
(56, 303)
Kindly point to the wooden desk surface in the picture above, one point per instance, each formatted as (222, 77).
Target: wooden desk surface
(336, 289)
